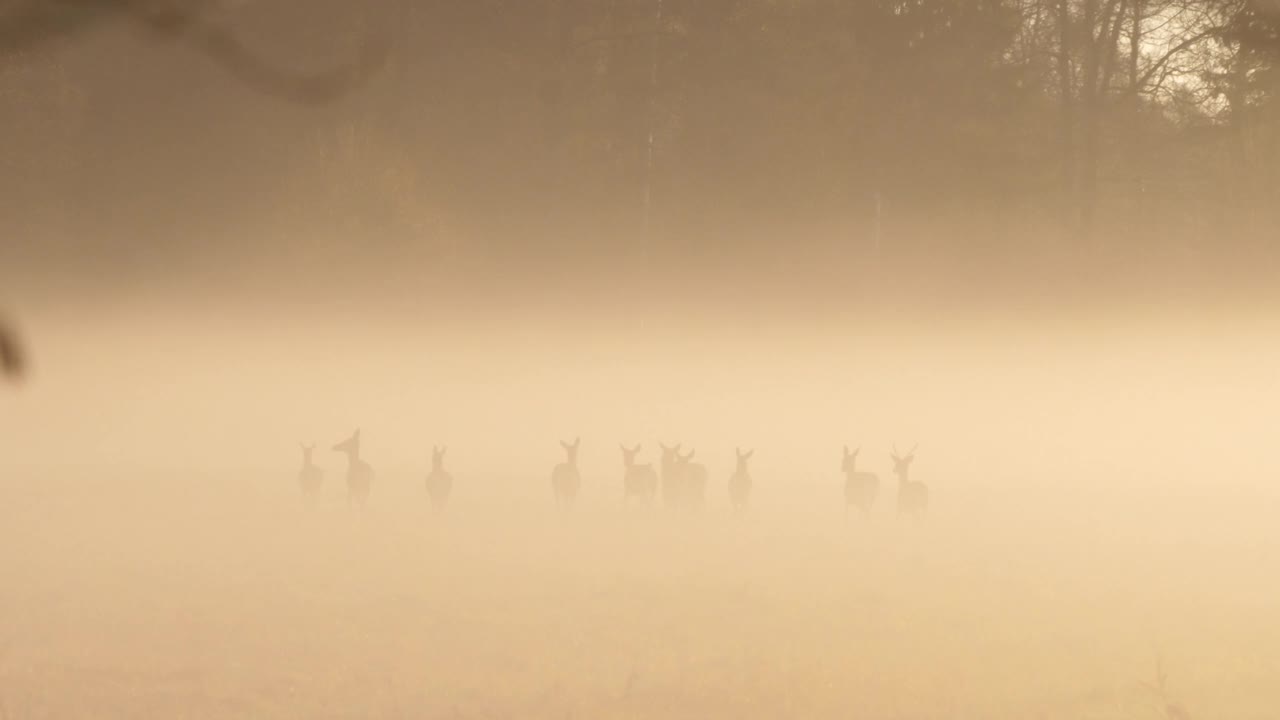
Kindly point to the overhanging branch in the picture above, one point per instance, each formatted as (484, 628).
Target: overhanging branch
(39, 22)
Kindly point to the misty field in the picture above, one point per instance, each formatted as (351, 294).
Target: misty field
(222, 597)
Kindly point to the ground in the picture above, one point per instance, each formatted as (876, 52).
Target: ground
(223, 597)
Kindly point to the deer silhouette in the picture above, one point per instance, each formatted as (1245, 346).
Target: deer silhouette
(693, 480)
(310, 477)
(740, 481)
(639, 481)
(672, 480)
(439, 481)
(565, 479)
(359, 473)
(913, 497)
(860, 488)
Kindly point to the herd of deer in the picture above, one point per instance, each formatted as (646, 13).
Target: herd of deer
(681, 481)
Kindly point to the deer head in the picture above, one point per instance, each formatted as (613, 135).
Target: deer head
(350, 446)
(571, 450)
(629, 455)
(850, 462)
(669, 454)
(902, 463)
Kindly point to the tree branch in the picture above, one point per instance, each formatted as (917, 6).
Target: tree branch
(12, 359)
(38, 22)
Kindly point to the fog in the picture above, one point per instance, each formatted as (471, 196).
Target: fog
(1026, 249)
(1102, 509)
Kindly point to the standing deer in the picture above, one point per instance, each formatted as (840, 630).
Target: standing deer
(913, 497)
(860, 488)
(638, 481)
(310, 477)
(439, 481)
(565, 479)
(740, 481)
(693, 480)
(359, 474)
(672, 482)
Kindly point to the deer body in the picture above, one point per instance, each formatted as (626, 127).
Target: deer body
(565, 479)
(913, 497)
(639, 481)
(860, 488)
(359, 473)
(310, 477)
(692, 480)
(672, 477)
(439, 481)
(740, 481)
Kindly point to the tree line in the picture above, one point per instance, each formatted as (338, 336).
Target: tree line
(1099, 122)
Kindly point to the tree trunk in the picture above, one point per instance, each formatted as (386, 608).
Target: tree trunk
(1066, 77)
(652, 120)
(1090, 100)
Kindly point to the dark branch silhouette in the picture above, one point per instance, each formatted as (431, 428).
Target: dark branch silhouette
(12, 359)
(39, 22)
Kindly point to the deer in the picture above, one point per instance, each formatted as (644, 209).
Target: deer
(439, 481)
(639, 481)
(359, 473)
(310, 477)
(565, 479)
(740, 481)
(693, 480)
(913, 497)
(860, 488)
(672, 482)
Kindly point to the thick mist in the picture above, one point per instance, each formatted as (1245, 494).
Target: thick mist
(1100, 504)
(1019, 257)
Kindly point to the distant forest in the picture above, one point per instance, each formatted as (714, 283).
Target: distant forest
(958, 123)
